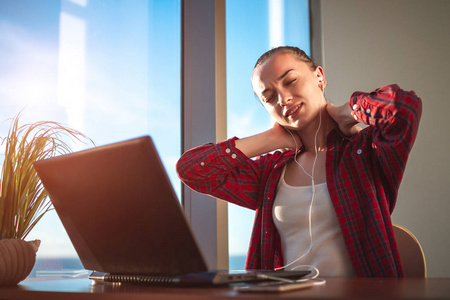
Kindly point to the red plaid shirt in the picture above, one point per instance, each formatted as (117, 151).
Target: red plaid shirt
(364, 172)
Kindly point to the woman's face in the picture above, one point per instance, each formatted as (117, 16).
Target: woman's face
(289, 89)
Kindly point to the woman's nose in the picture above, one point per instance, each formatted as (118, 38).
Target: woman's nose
(284, 98)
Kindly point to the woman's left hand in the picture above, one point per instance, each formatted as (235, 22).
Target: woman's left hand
(343, 117)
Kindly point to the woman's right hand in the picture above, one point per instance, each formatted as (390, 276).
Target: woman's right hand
(278, 137)
(285, 138)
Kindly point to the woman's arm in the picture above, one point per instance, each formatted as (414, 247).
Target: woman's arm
(275, 138)
(222, 171)
(395, 112)
(226, 171)
(393, 116)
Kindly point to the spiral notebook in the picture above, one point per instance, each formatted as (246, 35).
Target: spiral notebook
(124, 219)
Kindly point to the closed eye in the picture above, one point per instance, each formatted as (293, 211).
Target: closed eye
(291, 81)
(268, 99)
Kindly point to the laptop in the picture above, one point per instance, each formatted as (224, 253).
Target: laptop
(124, 219)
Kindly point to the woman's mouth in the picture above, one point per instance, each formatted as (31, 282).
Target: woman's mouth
(290, 113)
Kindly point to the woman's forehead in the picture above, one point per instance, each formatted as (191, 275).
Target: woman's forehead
(276, 67)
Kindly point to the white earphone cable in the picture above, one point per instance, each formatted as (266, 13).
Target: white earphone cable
(313, 191)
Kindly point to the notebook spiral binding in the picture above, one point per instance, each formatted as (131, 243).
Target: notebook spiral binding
(140, 279)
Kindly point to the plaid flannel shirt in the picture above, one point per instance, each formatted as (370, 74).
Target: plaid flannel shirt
(363, 171)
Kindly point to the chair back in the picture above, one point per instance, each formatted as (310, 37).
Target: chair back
(411, 253)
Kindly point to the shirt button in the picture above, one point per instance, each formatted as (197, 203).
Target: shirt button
(368, 111)
(202, 163)
(275, 166)
(233, 156)
(359, 151)
(355, 106)
(227, 150)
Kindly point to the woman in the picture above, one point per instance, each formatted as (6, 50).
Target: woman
(327, 201)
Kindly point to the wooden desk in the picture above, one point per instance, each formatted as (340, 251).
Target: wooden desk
(335, 288)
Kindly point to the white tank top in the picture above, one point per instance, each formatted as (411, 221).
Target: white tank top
(291, 217)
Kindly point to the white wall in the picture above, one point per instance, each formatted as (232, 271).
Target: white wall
(368, 44)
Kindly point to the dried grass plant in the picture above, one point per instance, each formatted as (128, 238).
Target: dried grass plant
(23, 198)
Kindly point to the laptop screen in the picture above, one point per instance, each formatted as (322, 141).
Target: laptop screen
(120, 211)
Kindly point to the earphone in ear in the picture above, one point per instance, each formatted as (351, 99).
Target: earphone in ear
(321, 84)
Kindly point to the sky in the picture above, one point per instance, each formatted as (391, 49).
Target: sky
(111, 69)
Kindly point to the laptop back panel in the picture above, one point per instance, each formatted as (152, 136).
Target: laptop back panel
(120, 211)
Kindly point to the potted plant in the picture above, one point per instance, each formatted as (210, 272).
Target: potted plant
(23, 198)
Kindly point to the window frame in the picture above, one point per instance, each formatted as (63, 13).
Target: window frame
(203, 90)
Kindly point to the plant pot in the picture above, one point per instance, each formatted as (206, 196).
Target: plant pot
(17, 258)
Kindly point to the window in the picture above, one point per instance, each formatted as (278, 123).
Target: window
(253, 27)
(110, 69)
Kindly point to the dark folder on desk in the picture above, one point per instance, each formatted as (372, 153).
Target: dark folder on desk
(124, 219)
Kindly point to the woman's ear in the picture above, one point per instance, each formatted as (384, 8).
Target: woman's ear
(322, 82)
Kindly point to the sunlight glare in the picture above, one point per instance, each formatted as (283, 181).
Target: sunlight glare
(276, 21)
(82, 3)
(72, 69)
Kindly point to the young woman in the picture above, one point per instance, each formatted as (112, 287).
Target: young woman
(325, 199)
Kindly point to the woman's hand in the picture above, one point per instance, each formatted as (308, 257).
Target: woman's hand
(343, 117)
(275, 138)
(285, 138)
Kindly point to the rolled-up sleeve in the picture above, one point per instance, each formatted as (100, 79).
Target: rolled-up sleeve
(222, 171)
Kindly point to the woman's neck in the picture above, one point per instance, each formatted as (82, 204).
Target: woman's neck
(308, 135)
